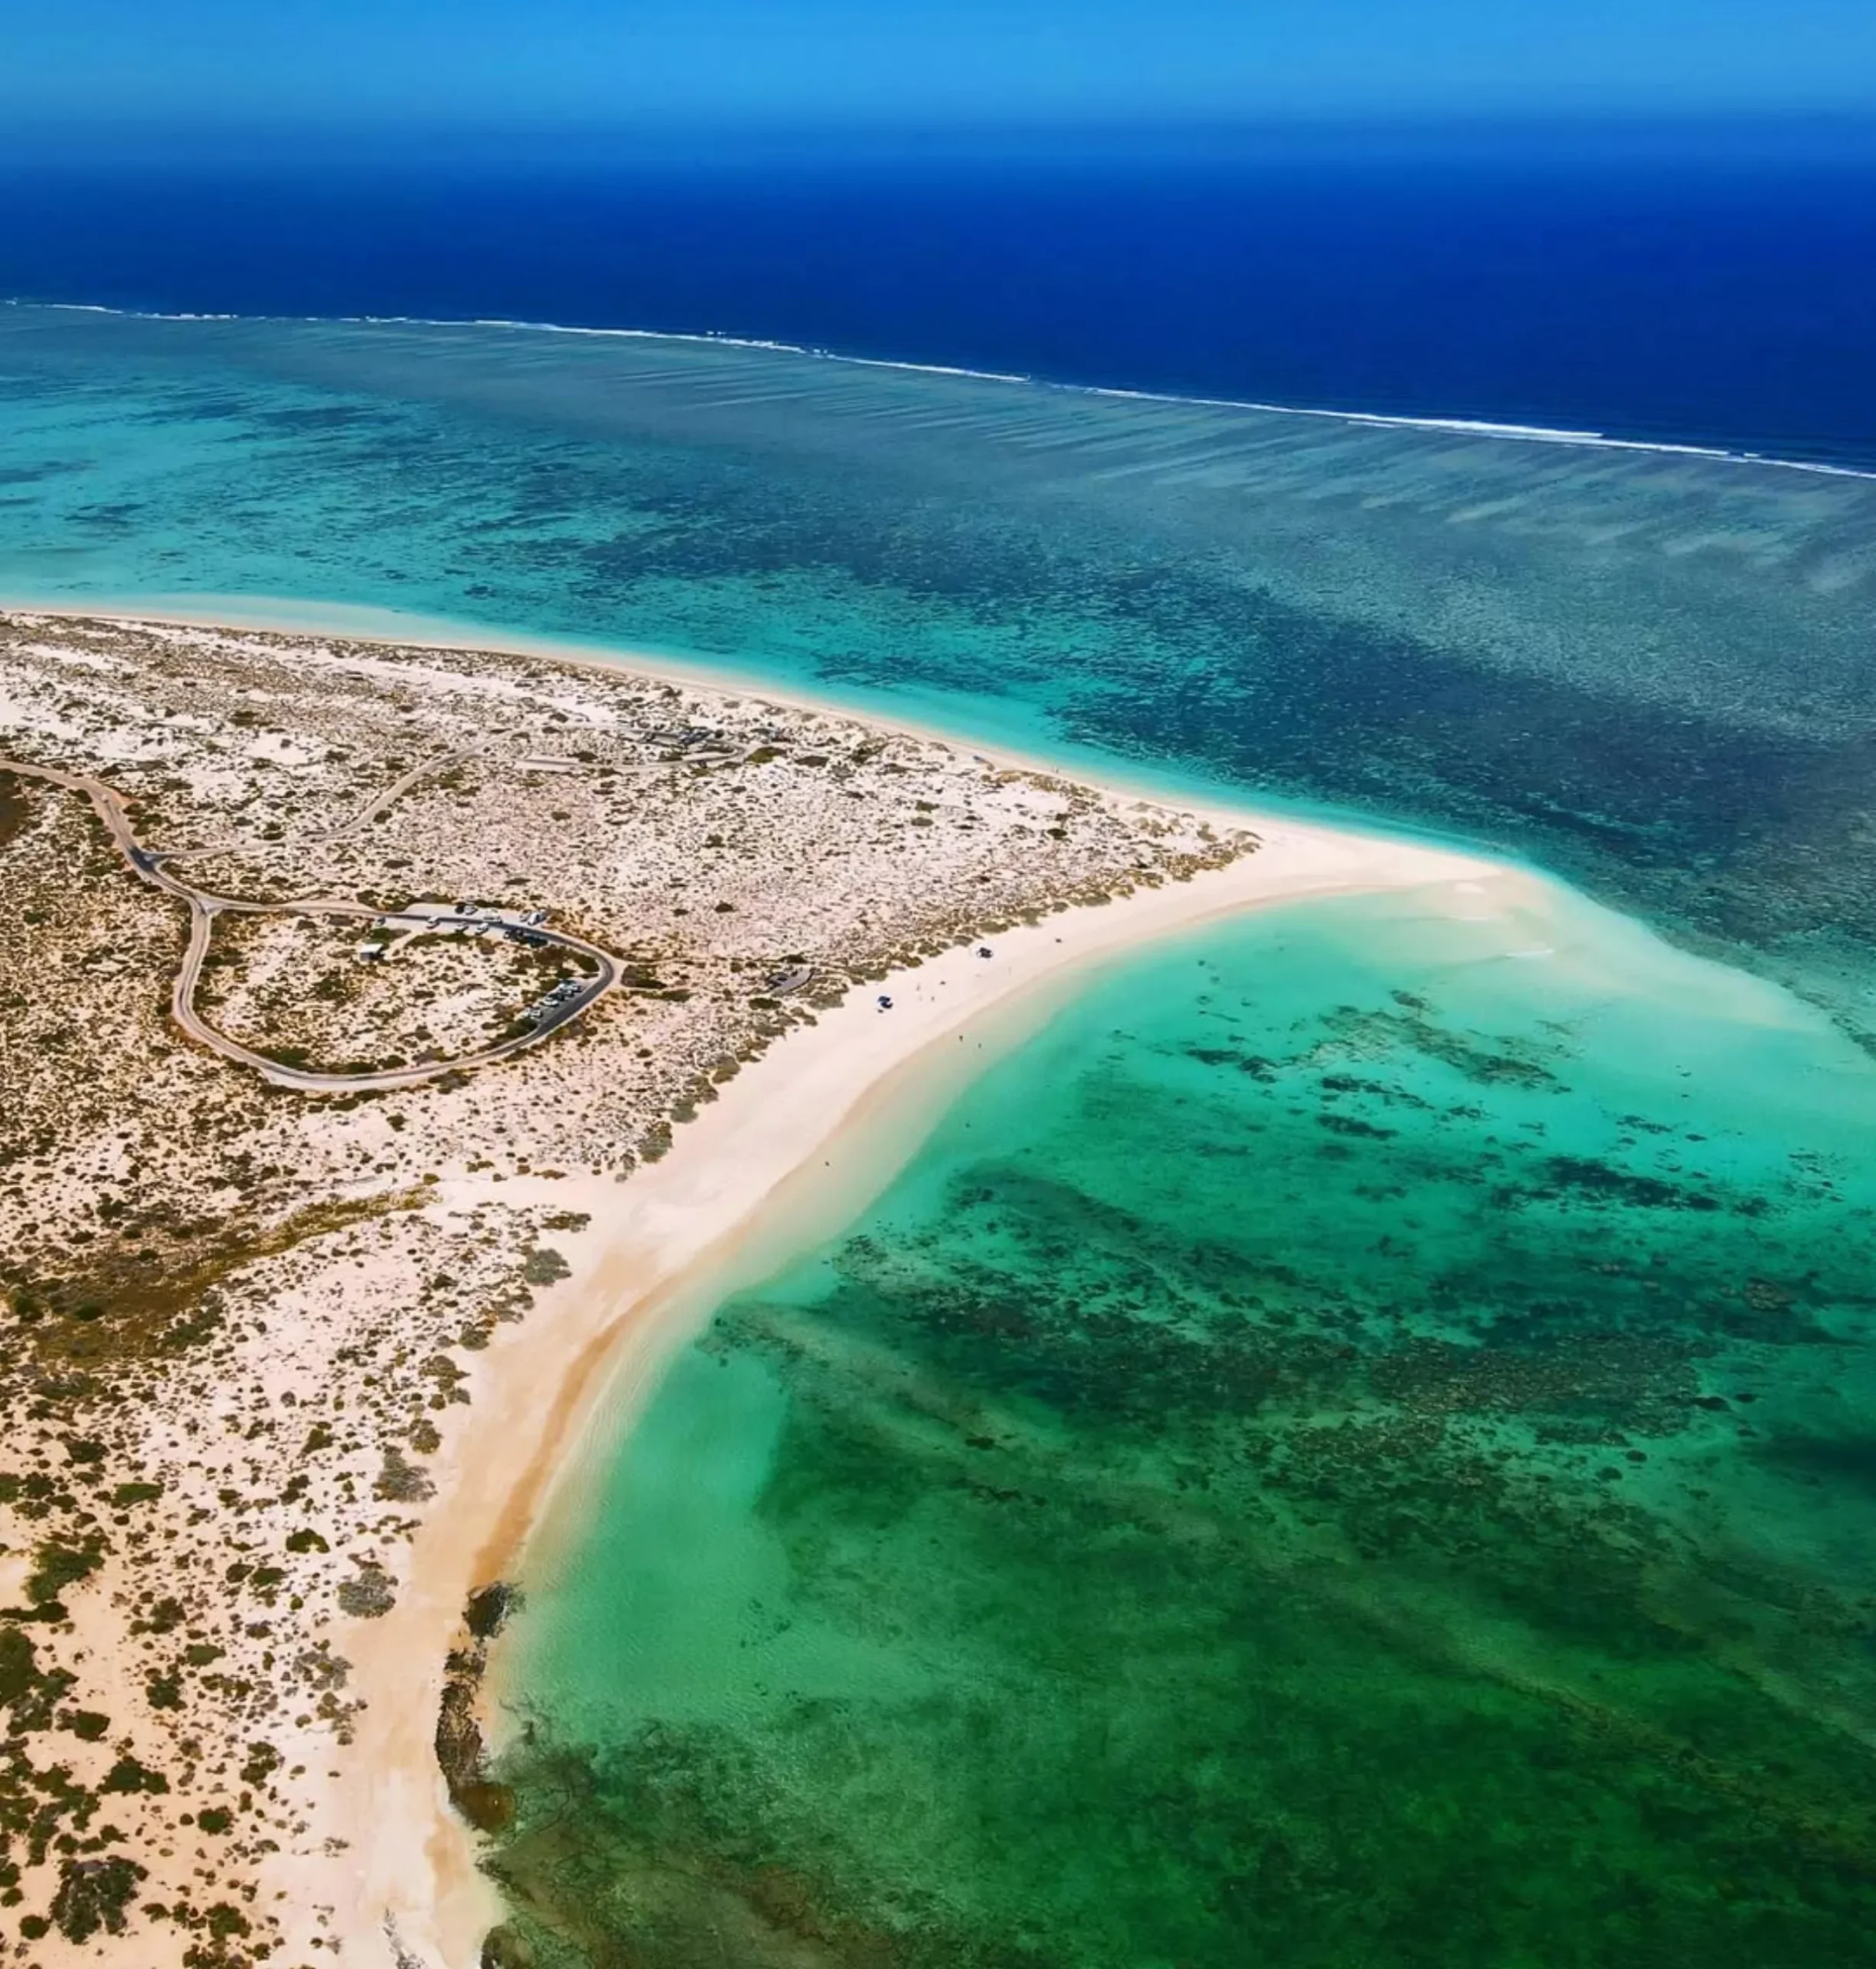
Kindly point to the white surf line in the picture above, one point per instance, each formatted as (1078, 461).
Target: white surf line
(1530, 434)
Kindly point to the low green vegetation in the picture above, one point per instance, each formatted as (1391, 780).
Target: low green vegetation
(15, 810)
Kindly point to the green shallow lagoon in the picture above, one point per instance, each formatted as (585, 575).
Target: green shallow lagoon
(1358, 1446)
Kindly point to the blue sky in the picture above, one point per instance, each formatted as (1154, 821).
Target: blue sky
(533, 63)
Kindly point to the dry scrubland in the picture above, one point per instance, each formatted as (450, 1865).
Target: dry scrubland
(293, 987)
(237, 1322)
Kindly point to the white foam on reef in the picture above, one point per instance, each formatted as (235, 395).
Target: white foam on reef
(1475, 427)
(711, 338)
(131, 313)
(1537, 434)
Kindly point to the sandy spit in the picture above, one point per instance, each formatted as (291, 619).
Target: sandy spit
(350, 623)
(795, 1147)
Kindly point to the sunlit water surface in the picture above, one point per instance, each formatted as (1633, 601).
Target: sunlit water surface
(1358, 1446)
(1645, 669)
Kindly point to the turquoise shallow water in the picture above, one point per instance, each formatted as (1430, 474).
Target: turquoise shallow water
(1358, 1445)
(1647, 670)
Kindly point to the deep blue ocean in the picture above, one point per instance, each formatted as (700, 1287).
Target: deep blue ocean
(1721, 291)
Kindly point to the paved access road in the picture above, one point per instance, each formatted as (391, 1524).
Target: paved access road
(204, 908)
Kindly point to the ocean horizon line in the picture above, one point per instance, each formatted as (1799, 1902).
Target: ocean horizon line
(1562, 438)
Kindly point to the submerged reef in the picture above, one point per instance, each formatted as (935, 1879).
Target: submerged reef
(1189, 1536)
(1647, 671)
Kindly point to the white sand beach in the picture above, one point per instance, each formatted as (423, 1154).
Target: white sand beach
(396, 630)
(792, 1149)
(795, 1149)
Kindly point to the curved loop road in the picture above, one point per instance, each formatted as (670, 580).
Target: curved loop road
(204, 908)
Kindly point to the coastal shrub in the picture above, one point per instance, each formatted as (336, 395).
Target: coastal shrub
(400, 1482)
(17, 1665)
(164, 1618)
(263, 1761)
(222, 1921)
(57, 1567)
(128, 1775)
(93, 1894)
(543, 1266)
(367, 1595)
